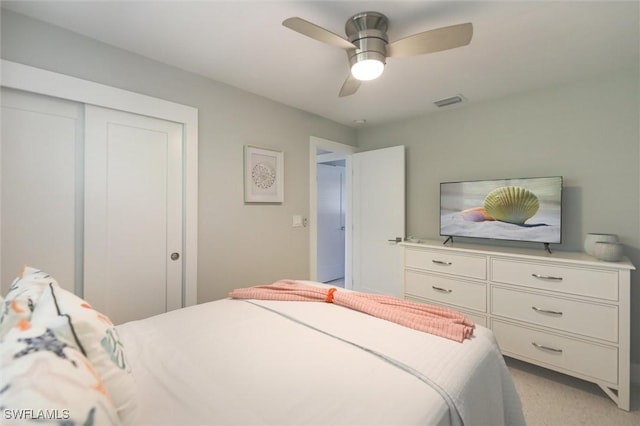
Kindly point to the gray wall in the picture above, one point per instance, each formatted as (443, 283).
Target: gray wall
(239, 245)
(586, 131)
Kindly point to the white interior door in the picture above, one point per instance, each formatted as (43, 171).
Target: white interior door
(331, 222)
(40, 171)
(378, 217)
(133, 214)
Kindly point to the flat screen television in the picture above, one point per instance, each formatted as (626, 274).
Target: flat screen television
(523, 209)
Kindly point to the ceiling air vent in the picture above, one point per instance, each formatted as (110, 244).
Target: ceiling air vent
(449, 101)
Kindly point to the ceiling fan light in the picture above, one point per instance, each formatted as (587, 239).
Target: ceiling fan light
(368, 69)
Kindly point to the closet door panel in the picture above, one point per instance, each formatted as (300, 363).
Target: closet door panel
(133, 220)
(41, 180)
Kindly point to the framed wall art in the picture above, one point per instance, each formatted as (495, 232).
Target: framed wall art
(263, 175)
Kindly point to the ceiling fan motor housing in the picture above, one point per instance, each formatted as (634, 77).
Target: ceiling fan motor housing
(368, 32)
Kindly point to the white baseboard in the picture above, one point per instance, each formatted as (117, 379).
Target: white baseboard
(635, 373)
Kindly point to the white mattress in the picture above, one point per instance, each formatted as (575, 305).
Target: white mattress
(232, 362)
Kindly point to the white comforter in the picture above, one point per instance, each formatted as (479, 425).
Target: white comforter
(234, 362)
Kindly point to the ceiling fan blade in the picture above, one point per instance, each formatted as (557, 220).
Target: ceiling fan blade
(350, 86)
(316, 32)
(432, 41)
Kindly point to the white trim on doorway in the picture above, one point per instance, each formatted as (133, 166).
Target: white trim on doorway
(344, 151)
(36, 80)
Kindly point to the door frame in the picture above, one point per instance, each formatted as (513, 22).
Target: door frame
(36, 80)
(346, 151)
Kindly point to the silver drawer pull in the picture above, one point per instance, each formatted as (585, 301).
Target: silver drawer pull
(547, 277)
(440, 262)
(546, 311)
(444, 290)
(546, 348)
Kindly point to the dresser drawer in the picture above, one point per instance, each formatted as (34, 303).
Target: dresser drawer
(588, 319)
(562, 279)
(596, 361)
(452, 291)
(464, 265)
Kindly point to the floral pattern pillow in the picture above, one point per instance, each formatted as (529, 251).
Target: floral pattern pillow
(22, 298)
(45, 380)
(78, 325)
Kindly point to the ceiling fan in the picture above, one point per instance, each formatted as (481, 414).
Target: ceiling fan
(367, 44)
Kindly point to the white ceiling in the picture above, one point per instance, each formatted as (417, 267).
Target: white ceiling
(517, 46)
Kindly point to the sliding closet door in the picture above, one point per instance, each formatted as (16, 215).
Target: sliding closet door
(41, 187)
(133, 214)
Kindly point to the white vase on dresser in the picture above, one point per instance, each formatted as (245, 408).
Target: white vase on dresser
(566, 311)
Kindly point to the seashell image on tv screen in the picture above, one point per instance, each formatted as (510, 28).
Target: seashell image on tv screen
(524, 209)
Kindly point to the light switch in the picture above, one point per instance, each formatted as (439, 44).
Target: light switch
(298, 221)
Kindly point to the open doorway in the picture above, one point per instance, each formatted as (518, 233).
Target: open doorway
(331, 226)
(329, 216)
(374, 219)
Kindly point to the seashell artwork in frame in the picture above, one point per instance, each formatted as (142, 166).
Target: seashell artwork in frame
(263, 175)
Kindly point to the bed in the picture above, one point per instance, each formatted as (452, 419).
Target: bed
(252, 362)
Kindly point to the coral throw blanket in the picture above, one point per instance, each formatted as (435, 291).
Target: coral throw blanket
(428, 318)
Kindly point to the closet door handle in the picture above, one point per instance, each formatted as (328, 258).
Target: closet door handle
(440, 262)
(546, 311)
(443, 290)
(547, 348)
(547, 277)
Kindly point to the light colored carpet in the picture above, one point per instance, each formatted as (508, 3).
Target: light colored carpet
(550, 398)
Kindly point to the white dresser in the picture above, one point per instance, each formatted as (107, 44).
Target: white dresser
(565, 311)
